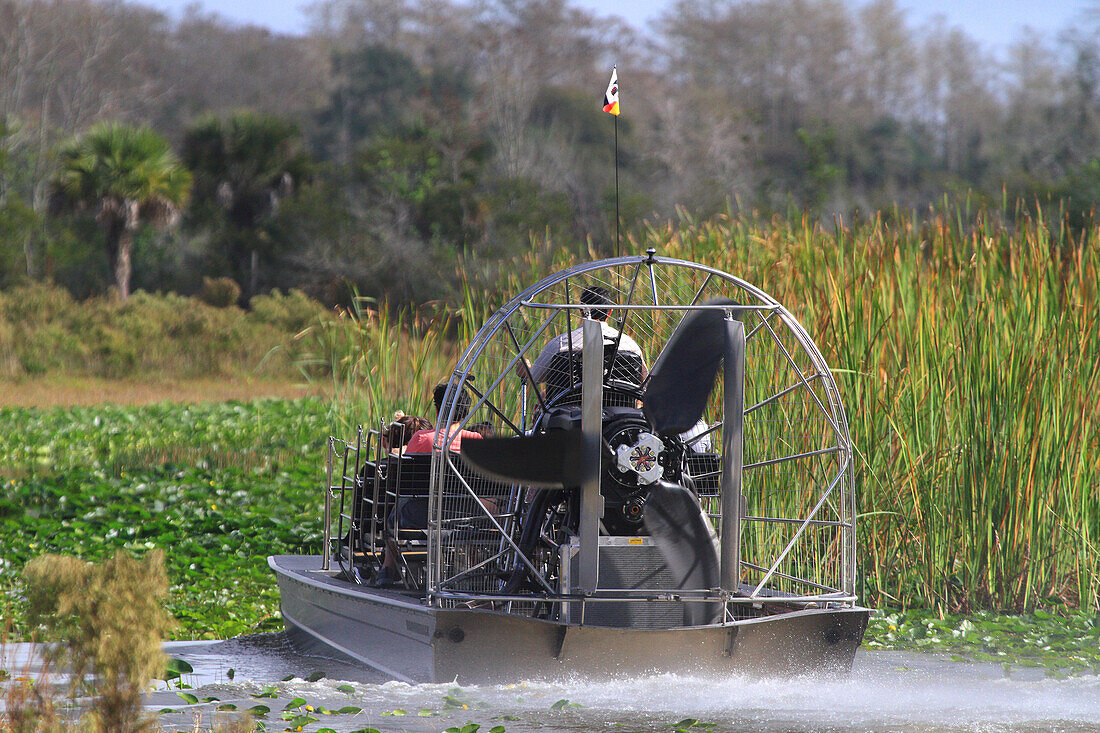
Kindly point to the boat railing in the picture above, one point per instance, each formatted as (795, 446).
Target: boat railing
(357, 498)
(364, 486)
(339, 455)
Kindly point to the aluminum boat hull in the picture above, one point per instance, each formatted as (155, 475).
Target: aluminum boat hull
(397, 634)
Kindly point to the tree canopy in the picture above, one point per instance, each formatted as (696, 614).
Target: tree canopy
(126, 176)
(396, 148)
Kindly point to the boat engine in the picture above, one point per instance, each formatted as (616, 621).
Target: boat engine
(634, 457)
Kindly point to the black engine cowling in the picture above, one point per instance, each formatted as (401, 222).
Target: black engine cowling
(633, 458)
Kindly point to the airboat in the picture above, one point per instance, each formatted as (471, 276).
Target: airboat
(694, 516)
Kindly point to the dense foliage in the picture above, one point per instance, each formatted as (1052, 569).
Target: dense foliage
(43, 331)
(405, 148)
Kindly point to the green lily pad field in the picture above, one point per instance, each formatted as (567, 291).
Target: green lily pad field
(217, 486)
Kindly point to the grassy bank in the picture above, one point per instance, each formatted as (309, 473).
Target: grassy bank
(44, 332)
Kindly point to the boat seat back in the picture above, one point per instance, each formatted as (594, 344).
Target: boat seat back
(385, 485)
(410, 475)
(564, 372)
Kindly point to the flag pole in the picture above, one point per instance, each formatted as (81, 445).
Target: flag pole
(616, 185)
(611, 106)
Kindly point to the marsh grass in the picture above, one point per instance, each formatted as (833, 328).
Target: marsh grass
(104, 623)
(382, 360)
(107, 621)
(967, 359)
(967, 350)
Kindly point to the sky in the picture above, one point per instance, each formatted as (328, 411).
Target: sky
(993, 22)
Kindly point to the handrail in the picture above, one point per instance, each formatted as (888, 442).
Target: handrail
(651, 307)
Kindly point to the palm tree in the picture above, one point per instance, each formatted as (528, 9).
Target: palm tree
(244, 167)
(128, 176)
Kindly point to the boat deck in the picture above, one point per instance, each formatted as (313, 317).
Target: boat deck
(397, 633)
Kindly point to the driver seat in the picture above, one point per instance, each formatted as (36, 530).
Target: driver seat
(565, 373)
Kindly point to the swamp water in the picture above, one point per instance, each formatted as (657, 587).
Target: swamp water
(899, 692)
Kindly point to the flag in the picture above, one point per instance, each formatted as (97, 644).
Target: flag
(611, 96)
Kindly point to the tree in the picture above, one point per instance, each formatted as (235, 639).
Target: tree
(128, 176)
(377, 90)
(244, 167)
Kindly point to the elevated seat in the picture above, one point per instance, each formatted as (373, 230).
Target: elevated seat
(622, 369)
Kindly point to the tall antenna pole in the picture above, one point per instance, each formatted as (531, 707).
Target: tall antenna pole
(616, 185)
(611, 106)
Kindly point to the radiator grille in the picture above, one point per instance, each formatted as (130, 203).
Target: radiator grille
(626, 566)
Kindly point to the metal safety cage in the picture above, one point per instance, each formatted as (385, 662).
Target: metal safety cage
(795, 520)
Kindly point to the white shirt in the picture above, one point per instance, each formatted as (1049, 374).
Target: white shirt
(560, 345)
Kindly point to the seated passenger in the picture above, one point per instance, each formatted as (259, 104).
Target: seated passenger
(421, 441)
(412, 511)
(398, 433)
(548, 369)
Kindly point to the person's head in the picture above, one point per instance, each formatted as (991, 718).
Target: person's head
(597, 295)
(484, 429)
(462, 401)
(400, 431)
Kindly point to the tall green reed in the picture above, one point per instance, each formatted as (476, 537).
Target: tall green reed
(383, 359)
(967, 351)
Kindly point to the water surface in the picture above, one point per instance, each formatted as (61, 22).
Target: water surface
(886, 691)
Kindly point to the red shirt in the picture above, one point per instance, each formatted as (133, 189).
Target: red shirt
(421, 441)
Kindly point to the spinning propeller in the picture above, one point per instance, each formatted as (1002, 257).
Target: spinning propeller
(675, 397)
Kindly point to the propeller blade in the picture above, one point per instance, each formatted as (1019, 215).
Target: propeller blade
(552, 460)
(686, 540)
(681, 380)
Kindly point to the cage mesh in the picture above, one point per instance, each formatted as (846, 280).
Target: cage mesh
(797, 527)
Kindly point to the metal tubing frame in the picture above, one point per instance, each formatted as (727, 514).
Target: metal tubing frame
(694, 307)
(733, 417)
(519, 553)
(471, 355)
(790, 360)
(643, 596)
(795, 457)
(802, 528)
(781, 393)
(326, 540)
(622, 325)
(376, 481)
(767, 307)
(791, 520)
(526, 367)
(591, 429)
(776, 573)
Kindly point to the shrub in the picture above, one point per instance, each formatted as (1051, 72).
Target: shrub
(109, 620)
(43, 331)
(220, 292)
(291, 312)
